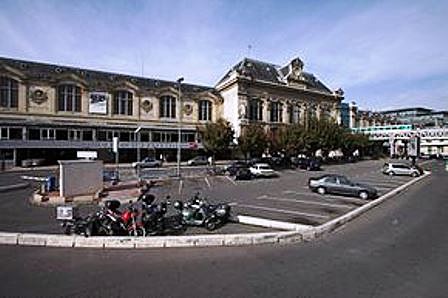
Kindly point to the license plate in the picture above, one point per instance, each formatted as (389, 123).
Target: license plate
(64, 212)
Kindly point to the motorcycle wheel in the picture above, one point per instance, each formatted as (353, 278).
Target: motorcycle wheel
(211, 224)
(140, 231)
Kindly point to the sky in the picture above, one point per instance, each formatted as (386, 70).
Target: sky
(383, 54)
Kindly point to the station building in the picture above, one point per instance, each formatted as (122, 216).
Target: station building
(51, 111)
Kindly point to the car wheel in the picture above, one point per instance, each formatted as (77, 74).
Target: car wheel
(414, 174)
(391, 173)
(363, 195)
(321, 190)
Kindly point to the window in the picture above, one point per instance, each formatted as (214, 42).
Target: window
(255, 110)
(276, 112)
(61, 135)
(87, 135)
(34, 134)
(122, 104)
(205, 110)
(15, 133)
(69, 98)
(167, 107)
(9, 92)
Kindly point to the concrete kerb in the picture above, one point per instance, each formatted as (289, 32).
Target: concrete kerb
(50, 240)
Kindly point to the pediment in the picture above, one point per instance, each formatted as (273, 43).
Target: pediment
(11, 72)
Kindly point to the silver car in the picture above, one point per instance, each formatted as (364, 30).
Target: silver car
(341, 185)
(392, 169)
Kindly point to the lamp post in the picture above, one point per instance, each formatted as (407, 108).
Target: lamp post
(137, 135)
(179, 128)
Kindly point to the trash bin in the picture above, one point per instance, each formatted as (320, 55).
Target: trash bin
(51, 183)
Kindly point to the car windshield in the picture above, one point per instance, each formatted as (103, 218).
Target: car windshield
(264, 168)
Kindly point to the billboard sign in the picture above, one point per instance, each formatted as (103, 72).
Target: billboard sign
(98, 102)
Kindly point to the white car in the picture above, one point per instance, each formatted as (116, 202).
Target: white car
(392, 169)
(262, 170)
(147, 162)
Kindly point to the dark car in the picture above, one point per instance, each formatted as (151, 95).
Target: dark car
(235, 166)
(309, 164)
(243, 173)
(341, 185)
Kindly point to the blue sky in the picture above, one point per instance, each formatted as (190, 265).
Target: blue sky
(384, 54)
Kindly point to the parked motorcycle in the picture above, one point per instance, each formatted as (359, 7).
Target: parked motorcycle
(198, 212)
(70, 221)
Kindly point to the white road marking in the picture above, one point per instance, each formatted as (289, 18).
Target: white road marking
(328, 197)
(208, 183)
(233, 204)
(301, 201)
(231, 180)
(283, 211)
(181, 184)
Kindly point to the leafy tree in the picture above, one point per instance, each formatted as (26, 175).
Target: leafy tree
(217, 137)
(252, 140)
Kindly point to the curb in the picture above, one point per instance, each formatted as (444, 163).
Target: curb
(14, 186)
(295, 233)
(49, 240)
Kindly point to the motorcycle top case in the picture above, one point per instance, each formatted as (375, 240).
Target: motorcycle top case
(112, 204)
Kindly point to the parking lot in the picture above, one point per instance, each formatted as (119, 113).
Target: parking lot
(287, 198)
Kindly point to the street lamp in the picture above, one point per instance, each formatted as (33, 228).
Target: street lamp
(179, 128)
(138, 138)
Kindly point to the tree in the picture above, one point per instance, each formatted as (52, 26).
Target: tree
(253, 139)
(217, 137)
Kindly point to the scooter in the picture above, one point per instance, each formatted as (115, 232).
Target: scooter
(198, 212)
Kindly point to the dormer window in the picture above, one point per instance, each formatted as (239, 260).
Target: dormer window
(122, 103)
(69, 98)
(205, 110)
(9, 92)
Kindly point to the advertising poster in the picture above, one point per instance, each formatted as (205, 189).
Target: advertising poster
(98, 102)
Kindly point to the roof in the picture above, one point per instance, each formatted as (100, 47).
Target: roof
(415, 109)
(100, 80)
(272, 73)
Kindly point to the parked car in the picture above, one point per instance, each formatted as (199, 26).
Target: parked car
(309, 164)
(262, 170)
(341, 185)
(235, 166)
(198, 160)
(243, 173)
(392, 169)
(147, 162)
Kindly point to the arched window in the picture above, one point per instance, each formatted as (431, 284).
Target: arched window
(9, 92)
(255, 110)
(205, 110)
(123, 103)
(69, 98)
(167, 107)
(276, 112)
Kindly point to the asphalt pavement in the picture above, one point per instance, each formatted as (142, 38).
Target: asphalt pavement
(398, 249)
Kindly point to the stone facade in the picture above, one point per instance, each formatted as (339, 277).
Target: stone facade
(60, 109)
(270, 95)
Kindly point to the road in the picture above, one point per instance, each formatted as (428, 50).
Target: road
(395, 250)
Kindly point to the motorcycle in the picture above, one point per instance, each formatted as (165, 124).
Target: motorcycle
(155, 220)
(198, 212)
(70, 221)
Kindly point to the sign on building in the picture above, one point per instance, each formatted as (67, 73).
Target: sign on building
(98, 102)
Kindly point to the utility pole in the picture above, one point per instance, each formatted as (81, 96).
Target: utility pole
(179, 131)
